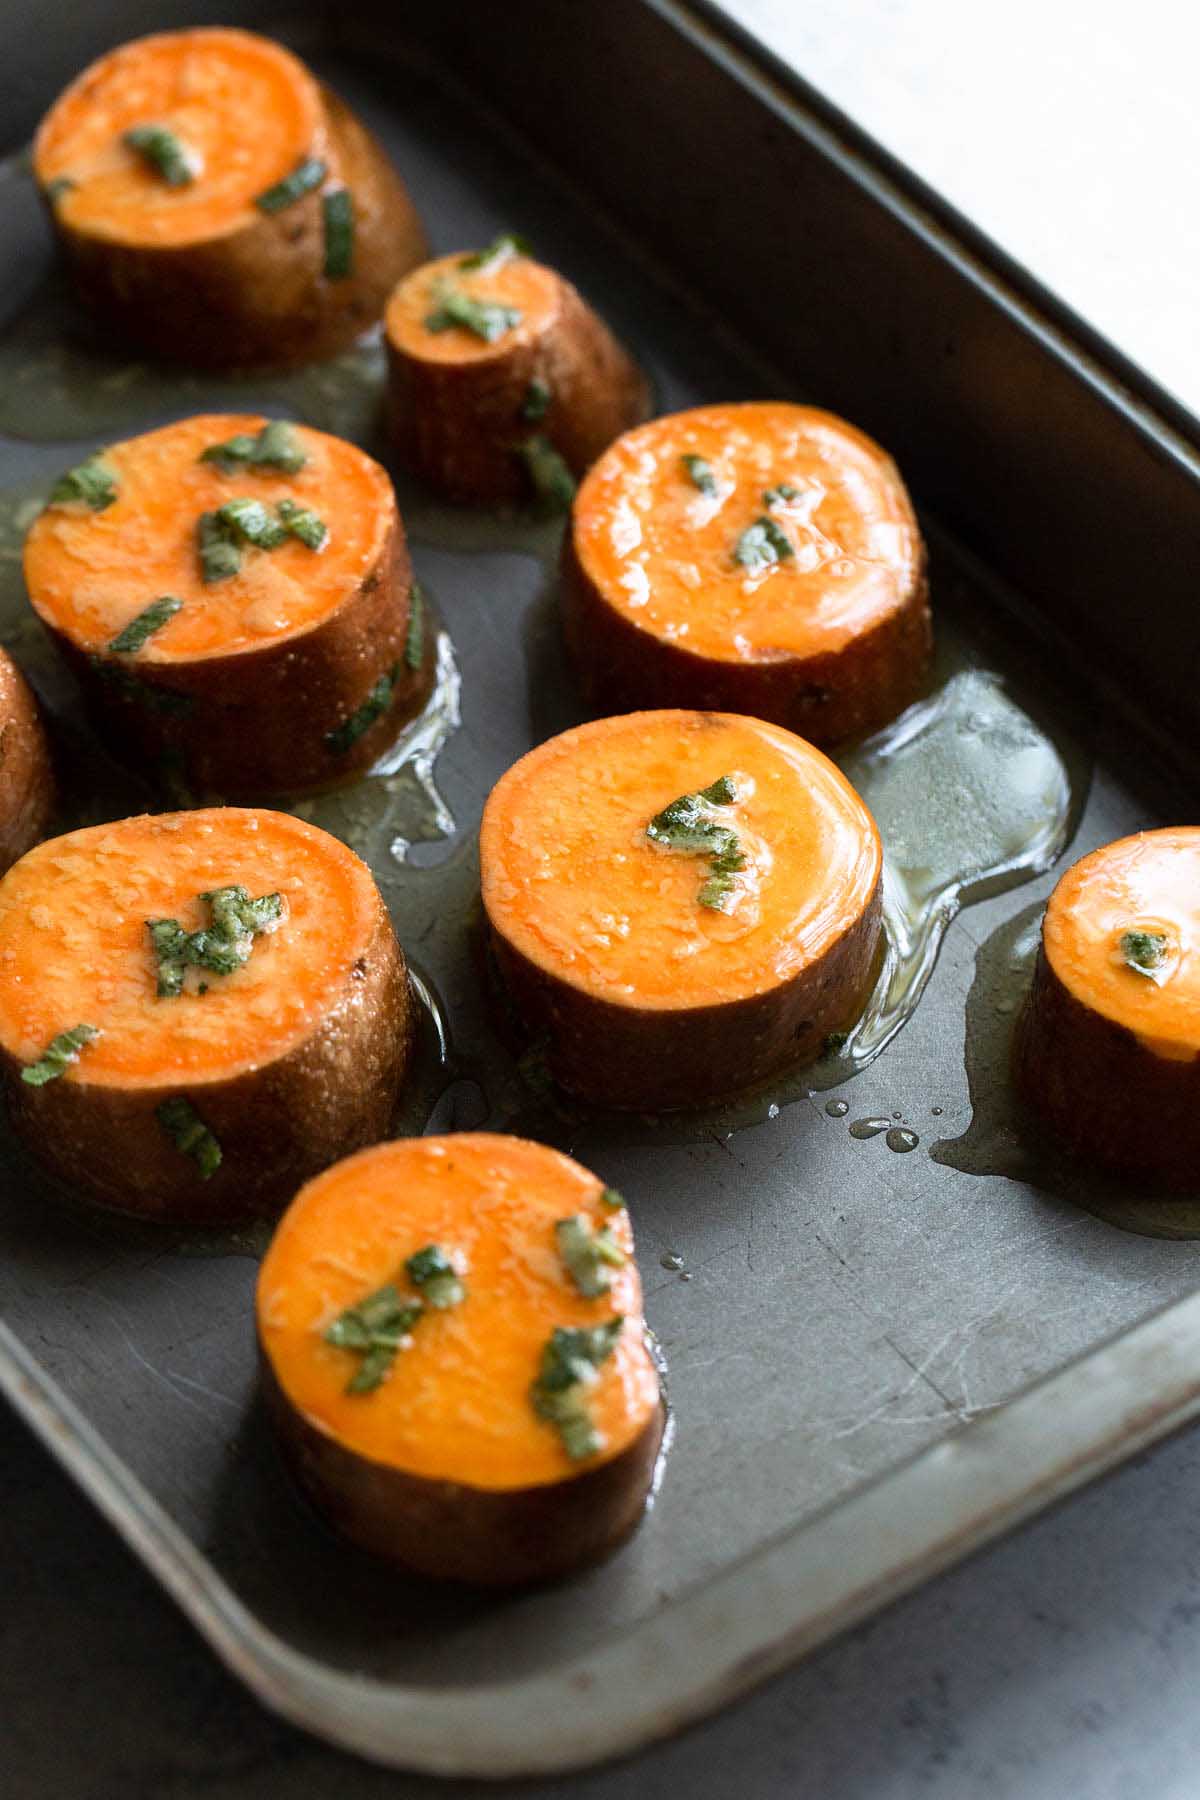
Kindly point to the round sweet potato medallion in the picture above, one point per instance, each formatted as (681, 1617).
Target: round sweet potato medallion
(460, 309)
(1122, 933)
(749, 532)
(574, 880)
(91, 569)
(76, 946)
(243, 112)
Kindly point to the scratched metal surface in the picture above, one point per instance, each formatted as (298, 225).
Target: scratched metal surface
(846, 1306)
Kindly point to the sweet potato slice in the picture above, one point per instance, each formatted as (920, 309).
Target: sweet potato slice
(414, 1398)
(200, 1072)
(504, 383)
(27, 791)
(1107, 1049)
(681, 904)
(760, 558)
(217, 206)
(263, 669)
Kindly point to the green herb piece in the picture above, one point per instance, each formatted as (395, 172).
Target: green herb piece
(500, 250)
(536, 403)
(700, 474)
(165, 153)
(588, 1255)
(54, 190)
(337, 218)
(414, 636)
(374, 1329)
(251, 521)
(152, 618)
(487, 319)
(837, 1040)
(779, 496)
(762, 544)
(220, 556)
(432, 1271)
(190, 1135)
(553, 482)
(569, 1365)
(340, 739)
(300, 522)
(92, 483)
(276, 446)
(688, 826)
(1144, 951)
(221, 946)
(615, 1202)
(306, 176)
(150, 695)
(58, 1055)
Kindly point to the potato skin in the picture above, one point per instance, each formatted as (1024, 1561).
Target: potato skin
(278, 1124)
(258, 296)
(254, 723)
(27, 789)
(479, 1536)
(656, 1059)
(826, 699)
(455, 424)
(1101, 1094)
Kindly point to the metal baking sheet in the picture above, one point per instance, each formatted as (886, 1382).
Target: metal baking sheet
(878, 1359)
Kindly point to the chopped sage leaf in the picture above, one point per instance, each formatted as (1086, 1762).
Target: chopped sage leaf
(337, 218)
(569, 1365)
(165, 153)
(152, 618)
(151, 695)
(536, 403)
(500, 250)
(614, 1201)
(688, 826)
(432, 1271)
(553, 482)
(340, 739)
(219, 554)
(1144, 951)
(190, 1135)
(221, 946)
(54, 190)
(487, 319)
(252, 522)
(58, 1055)
(301, 522)
(588, 1255)
(779, 496)
(276, 446)
(762, 544)
(700, 474)
(306, 176)
(91, 483)
(414, 636)
(375, 1329)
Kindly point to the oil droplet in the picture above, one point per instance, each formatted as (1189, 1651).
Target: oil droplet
(869, 1128)
(936, 1111)
(671, 1260)
(837, 1109)
(901, 1140)
(772, 1111)
(686, 1276)
(897, 1115)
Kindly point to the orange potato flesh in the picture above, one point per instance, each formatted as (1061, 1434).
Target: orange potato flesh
(1150, 882)
(514, 281)
(455, 1406)
(572, 881)
(248, 109)
(662, 552)
(74, 948)
(90, 573)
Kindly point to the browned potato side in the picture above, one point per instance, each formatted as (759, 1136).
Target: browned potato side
(27, 791)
